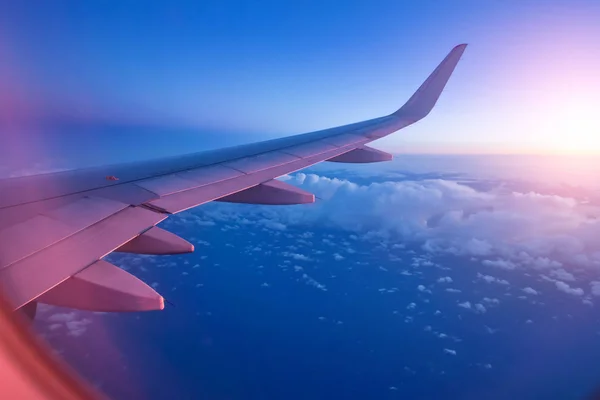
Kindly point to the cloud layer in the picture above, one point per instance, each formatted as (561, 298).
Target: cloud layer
(503, 229)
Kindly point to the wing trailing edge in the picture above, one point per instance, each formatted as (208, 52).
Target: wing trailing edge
(271, 193)
(104, 287)
(363, 154)
(157, 241)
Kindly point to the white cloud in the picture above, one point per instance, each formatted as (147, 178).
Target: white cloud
(492, 279)
(423, 289)
(595, 288)
(562, 275)
(491, 301)
(54, 327)
(78, 327)
(411, 306)
(274, 225)
(312, 282)
(450, 351)
(528, 229)
(530, 290)
(543, 263)
(445, 279)
(338, 257)
(499, 263)
(72, 321)
(296, 256)
(564, 287)
(452, 290)
(466, 304)
(491, 331)
(62, 317)
(480, 308)
(502, 228)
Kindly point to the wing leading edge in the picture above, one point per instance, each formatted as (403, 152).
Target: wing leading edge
(55, 228)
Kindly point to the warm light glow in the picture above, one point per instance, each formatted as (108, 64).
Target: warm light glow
(574, 127)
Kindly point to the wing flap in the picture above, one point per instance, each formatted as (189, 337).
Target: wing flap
(363, 154)
(271, 193)
(28, 278)
(157, 241)
(48, 227)
(104, 287)
(181, 201)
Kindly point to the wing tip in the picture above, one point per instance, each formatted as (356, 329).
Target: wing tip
(425, 98)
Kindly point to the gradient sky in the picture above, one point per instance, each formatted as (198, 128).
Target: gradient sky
(528, 82)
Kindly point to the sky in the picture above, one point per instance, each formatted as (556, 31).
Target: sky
(165, 78)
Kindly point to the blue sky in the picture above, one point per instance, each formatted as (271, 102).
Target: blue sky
(248, 71)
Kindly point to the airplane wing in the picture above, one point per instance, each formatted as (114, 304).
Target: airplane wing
(56, 228)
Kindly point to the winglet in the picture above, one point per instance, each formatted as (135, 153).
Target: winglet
(423, 100)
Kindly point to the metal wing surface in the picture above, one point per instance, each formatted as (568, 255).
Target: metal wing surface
(56, 228)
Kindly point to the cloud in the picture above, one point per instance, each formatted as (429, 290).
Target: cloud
(296, 256)
(529, 290)
(564, 287)
(274, 225)
(73, 322)
(445, 279)
(562, 275)
(492, 279)
(478, 308)
(500, 227)
(450, 351)
(78, 327)
(338, 257)
(491, 331)
(491, 301)
(312, 282)
(512, 229)
(466, 304)
(452, 290)
(595, 288)
(423, 289)
(504, 264)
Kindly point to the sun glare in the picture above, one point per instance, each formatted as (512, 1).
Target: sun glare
(574, 127)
